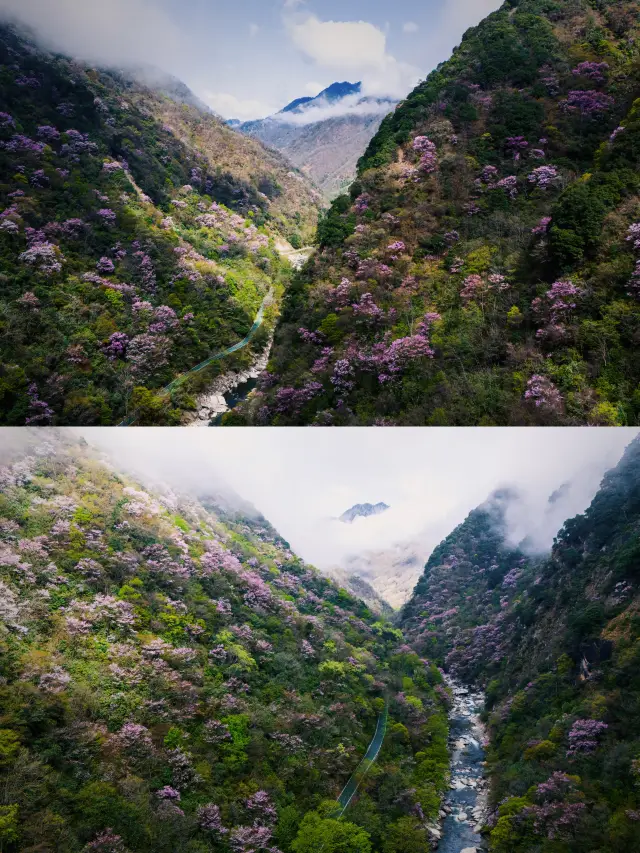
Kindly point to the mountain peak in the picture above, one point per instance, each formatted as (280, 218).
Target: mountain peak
(362, 511)
(334, 92)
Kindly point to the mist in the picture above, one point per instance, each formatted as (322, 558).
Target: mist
(94, 30)
(350, 105)
(301, 480)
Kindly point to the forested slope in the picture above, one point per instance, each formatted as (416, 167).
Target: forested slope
(136, 239)
(554, 642)
(173, 677)
(483, 268)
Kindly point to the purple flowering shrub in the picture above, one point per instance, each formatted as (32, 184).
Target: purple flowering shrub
(104, 238)
(196, 643)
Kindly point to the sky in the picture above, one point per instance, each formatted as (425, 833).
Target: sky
(303, 479)
(248, 58)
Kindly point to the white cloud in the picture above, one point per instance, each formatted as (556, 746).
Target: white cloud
(314, 88)
(229, 106)
(410, 27)
(120, 32)
(351, 105)
(354, 48)
(254, 29)
(302, 479)
(339, 44)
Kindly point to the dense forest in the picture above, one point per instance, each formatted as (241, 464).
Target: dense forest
(173, 677)
(483, 268)
(137, 238)
(554, 642)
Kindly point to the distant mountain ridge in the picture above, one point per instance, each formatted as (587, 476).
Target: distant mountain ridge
(363, 511)
(325, 135)
(334, 92)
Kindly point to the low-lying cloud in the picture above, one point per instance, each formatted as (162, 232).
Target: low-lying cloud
(113, 33)
(353, 105)
(301, 480)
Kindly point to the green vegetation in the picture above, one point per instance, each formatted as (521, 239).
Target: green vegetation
(137, 238)
(173, 677)
(483, 269)
(554, 642)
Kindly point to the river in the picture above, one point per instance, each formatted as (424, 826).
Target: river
(464, 810)
(232, 388)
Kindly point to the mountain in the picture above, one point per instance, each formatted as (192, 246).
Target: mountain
(332, 94)
(553, 642)
(166, 84)
(482, 269)
(174, 677)
(362, 511)
(391, 572)
(324, 136)
(137, 238)
(360, 588)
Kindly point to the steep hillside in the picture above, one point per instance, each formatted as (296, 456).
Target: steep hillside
(392, 572)
(136, 239)
(173, 677)
(483, 268)
(555, 645)
(324, 136)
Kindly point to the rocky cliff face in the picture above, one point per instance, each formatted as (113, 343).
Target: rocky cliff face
(482, 268)
(554, 641)
(324, 136)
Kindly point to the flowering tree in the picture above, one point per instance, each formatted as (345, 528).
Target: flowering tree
(209, 819)
(587, 103)
(584, 736)
(544, 176)
(596, 71)
(428, 154)
(543, 394)
(39, 411)
(44, 256)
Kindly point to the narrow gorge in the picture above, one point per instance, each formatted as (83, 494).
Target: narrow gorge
(174, 676)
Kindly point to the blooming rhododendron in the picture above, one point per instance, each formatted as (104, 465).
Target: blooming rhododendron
(209, 819)
(584, 736)
(589, 103)
(44, 256)
(595, 71)
(543, 393)
(39, 411)
(542, 227)
(428, 153)
(544, 176)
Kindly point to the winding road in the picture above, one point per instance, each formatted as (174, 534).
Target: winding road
(363, 768)
(297, 258)
(240, 345)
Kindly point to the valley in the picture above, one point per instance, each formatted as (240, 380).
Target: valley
(215, 692)
(324, 136)
(476, 267)
(479, 270)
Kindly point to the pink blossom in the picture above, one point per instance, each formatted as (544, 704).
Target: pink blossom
(544, 394)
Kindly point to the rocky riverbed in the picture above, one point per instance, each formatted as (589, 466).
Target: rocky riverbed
(464, 810)
(213, 403)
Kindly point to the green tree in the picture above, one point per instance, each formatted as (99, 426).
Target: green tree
(406, 836)
(325, 835)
